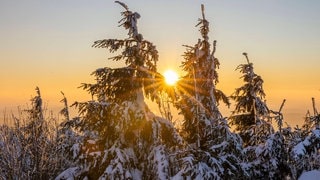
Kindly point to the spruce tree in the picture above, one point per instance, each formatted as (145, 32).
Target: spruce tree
(270, 158)
(266, 154)
(36, 138)
(67, 140)
(123, 139)
(212, 151)
(304, 154)
(251, 112)
(198, 88)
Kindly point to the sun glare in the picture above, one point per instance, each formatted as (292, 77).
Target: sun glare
(171, 77)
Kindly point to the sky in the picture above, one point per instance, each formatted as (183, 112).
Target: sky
(48, 44)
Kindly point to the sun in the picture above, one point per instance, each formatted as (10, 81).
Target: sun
(171, 77)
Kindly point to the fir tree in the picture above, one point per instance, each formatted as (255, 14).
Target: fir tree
(212, 151)
(36, 138)
(270, 158)
(67, 140)
(304, 154)
(123, 139)
(197, 88)
(251, 112)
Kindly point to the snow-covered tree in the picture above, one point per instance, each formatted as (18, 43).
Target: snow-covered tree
(305, 154)
(267, 155)
(311, 121)
(36, 140)
(199, 97)
(11, 154)
(28, 148)
(123, 139)
(67, 140)
(269, 159)
(251, 112)
(212, 151)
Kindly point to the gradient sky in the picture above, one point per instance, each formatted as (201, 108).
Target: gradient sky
(48, 44)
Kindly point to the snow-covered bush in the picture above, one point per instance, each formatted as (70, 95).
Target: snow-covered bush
(28, 149)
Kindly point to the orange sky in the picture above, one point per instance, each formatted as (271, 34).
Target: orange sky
(48, 44)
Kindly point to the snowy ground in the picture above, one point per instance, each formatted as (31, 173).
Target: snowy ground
(310, 175)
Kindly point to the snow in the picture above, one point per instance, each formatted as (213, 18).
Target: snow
(97, 153)
(136, 174)
(221, 145)
(316, 133)
(299, 149)
(259, 149)
(140, 100)
(69, 174)
(75, 150)
(310, 175)
(162, 162)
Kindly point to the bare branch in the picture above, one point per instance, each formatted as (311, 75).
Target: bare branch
(246, 55)
(282, 105)
(123, 5)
